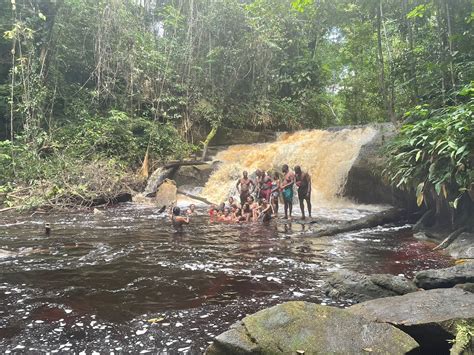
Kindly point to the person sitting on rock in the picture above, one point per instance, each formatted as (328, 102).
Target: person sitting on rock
(246, 212)
(266, 211)
(231, 203)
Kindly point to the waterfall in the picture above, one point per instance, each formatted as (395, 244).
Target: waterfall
(326, 155)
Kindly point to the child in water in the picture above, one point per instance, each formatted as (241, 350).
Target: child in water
(191, 211)
(176, 219)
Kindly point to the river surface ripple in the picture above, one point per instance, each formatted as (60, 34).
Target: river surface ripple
(126, 282)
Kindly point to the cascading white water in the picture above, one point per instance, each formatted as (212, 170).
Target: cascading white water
(326, 155)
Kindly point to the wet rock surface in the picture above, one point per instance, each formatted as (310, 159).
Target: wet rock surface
(444, 278)
(293, 326)
(166, 193)
(194, 175)
(462, 247)
(364, 182)
(359, 287)
(430, 317)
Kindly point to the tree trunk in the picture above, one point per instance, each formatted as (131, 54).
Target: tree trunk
(383, 87)
(378, 219)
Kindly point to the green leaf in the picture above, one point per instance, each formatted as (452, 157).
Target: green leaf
(418, 155)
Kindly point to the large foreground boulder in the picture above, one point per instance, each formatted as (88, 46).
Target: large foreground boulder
(444, 278)
(430, 317)
(314, 329)
(346, 284)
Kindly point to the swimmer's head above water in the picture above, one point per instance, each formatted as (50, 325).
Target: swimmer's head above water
(176, 211)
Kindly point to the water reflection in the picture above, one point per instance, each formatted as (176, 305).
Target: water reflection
(94, 282)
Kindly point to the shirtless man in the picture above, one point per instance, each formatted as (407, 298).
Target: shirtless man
(287, 189)
(303, 181)
(244, 190)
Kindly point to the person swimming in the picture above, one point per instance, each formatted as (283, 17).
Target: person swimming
(176, 219)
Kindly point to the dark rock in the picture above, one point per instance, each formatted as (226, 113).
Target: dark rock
(227, 136)
(430, 317)
(119, 198)
(364, 182)
(443, 278)
(194, 175)
(314, 329)
(346, 284)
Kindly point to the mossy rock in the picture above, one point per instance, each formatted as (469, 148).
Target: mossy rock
(314, 329)
(430, 317)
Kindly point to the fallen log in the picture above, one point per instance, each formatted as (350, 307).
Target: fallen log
(450, 238)
(428, 215)
(6, 209)
(202, 199)
(178, 163)
(157, 178)
(378, 219)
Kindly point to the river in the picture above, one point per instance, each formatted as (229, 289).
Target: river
(126, 282)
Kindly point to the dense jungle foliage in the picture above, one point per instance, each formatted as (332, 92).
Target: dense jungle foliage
(94, 84)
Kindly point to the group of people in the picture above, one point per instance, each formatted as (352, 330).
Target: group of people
(268, 188)
(251, 210)
(259, 198)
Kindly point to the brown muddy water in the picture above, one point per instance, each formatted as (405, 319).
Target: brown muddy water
(126, 282)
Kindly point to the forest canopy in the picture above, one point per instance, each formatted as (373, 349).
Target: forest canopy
(112, 79)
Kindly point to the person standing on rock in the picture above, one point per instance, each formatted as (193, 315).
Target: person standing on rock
(287, 189)
(243, 187)
(303, 182)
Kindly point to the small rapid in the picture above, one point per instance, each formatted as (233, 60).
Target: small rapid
(126, 281)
